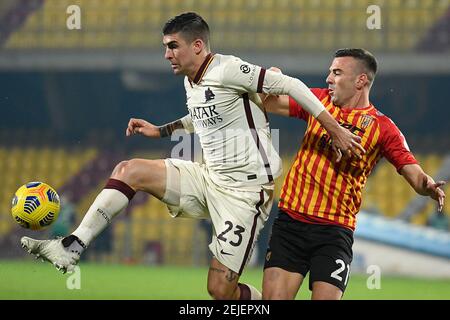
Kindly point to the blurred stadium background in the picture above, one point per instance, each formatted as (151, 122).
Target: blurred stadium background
(66, 97)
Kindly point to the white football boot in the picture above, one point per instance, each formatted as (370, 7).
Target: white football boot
(52, 251)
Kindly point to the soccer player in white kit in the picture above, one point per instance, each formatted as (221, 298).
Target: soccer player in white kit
(234, 185)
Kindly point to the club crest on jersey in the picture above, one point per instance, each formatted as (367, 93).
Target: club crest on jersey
(209, 95)
(245, 68)
(366, 121)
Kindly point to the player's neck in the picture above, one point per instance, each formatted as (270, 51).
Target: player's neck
(199, 60)
(358, 101)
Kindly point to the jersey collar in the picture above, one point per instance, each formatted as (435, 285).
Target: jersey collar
(201, 72)
(364, 109)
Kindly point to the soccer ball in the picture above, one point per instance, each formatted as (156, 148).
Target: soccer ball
(35, 205)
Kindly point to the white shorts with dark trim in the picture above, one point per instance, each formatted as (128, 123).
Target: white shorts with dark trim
(237, 216)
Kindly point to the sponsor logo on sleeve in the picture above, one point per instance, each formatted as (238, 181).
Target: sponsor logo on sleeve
(245, 68)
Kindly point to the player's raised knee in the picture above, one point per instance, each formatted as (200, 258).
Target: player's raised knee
(120, 169)
(128, 171)
(142, 174)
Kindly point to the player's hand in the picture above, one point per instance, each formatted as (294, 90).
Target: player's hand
(345, 143)
(433, 189)
(139, 126)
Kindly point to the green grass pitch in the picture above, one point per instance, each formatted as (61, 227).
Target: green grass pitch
(29, 279)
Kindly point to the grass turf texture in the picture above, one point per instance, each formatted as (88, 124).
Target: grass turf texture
(29, 279)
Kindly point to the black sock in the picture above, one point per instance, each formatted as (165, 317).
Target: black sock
(74, 244)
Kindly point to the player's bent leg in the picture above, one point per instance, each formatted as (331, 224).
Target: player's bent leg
(223, 284)
(279, 284)
(325, 291)
(127, 178)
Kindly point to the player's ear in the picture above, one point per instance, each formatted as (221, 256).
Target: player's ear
(361, 81)
(198, 46)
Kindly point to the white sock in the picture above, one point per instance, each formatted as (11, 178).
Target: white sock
(105, 207)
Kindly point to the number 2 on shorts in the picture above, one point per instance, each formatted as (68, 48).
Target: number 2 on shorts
(335, 274)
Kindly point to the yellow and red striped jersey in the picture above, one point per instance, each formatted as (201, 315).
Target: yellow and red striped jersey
(319, 190)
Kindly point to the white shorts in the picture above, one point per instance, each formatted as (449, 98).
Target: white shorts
(237, 216)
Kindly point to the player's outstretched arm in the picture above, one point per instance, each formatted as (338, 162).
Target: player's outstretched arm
(237, 74)
(423, 184)
(342, 139)
(145, 128)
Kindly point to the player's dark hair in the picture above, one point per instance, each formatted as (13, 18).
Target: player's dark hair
(190, 25)
(368, 60)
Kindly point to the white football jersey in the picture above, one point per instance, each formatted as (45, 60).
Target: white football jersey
(232, 125)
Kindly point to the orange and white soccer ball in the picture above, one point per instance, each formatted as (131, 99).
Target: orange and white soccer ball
(35, 205)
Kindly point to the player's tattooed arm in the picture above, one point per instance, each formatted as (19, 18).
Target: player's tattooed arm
(183, 123)
(145, 128)
(167, 129)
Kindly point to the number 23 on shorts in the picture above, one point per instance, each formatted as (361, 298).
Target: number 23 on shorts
(232, 234)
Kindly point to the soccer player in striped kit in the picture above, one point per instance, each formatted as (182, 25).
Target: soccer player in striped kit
(321, 197)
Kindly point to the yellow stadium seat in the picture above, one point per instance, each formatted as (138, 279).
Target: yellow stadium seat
(136, 23)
